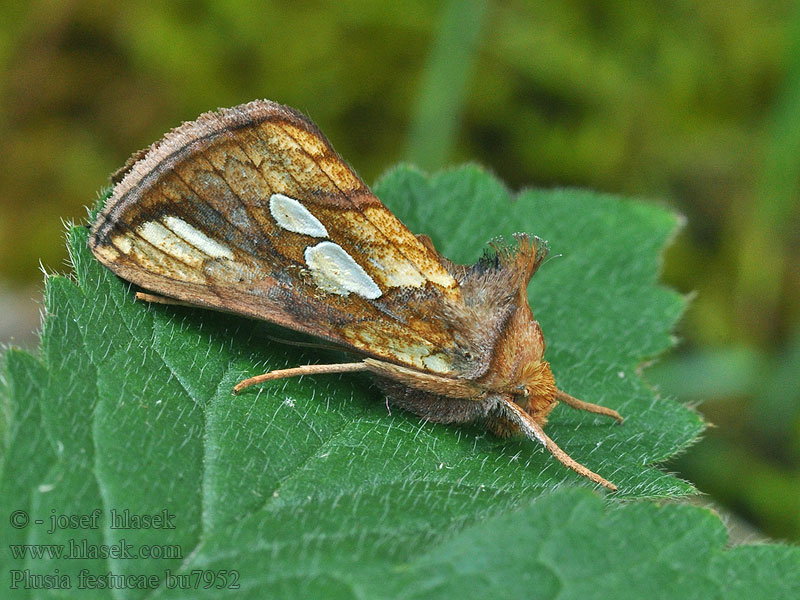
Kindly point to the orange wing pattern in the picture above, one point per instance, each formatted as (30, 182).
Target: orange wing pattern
(250, 210)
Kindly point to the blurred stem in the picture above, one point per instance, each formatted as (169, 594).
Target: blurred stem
(758, 488)
(710, 373)
(776, 407)
(763, 258)
(740, 371)
(444, 82)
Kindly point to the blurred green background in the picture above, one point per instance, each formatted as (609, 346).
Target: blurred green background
(695, 105)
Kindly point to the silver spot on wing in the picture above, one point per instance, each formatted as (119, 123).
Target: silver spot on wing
(293, 216)
(335, 271)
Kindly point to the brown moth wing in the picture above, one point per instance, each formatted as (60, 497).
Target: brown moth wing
(191, 219)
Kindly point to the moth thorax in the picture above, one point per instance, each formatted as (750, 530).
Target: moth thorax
(537, 387)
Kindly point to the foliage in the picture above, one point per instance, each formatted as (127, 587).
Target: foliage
(308, 487)
(695, 103)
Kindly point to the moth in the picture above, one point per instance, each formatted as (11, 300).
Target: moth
(250, 210)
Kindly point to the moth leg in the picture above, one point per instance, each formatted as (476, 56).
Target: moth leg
(299, 371)
(156, 299)
(533, 430)
(305, 344)
(587, 406)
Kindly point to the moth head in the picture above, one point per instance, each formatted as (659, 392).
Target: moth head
(519, 370)
(535, 388)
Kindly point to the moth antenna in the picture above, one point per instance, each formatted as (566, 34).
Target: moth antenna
(587, 406)
(156, 299)
(305, 344)
(533, 430)
(298, 372)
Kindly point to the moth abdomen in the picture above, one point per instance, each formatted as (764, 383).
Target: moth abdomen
(435, 407)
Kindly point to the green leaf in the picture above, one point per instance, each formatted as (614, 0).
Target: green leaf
(308, 487)
(575, 547)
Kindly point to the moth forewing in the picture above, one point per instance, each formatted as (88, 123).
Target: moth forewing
(250, 210)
